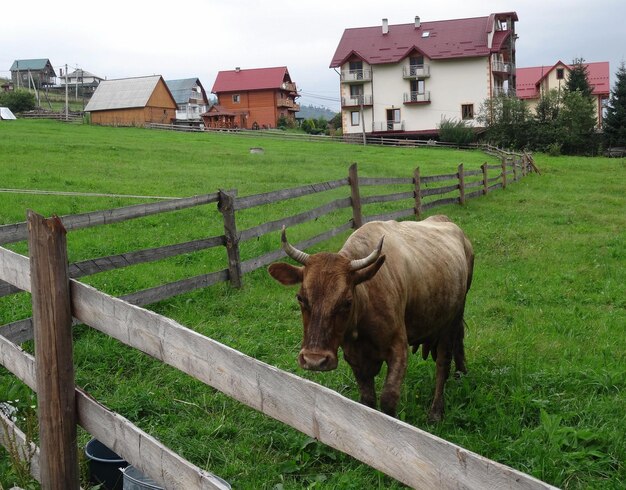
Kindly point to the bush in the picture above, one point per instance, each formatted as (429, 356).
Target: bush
(18, 100)
(455, 131)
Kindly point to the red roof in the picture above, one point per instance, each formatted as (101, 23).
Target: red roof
(529, 79)
(437, 40)
(252, 79)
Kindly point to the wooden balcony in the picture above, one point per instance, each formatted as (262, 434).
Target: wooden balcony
(288, 103)
(289, 86)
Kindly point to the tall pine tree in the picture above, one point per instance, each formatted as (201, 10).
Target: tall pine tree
(578, 78)
(615, 120)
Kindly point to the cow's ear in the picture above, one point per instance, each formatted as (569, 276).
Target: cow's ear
(369, 272)
(286, 274)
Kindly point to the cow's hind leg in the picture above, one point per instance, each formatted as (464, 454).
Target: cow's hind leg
(444, 360)
(458, 349)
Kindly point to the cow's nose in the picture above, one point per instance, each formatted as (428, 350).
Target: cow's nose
(317, 361)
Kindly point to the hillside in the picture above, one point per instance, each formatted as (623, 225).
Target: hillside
(311, 111)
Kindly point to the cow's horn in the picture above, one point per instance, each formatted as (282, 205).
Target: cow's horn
(291, 251)
(357, 264)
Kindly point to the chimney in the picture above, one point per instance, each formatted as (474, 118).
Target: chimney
(237, 69)
(385, 26)
(417, 22)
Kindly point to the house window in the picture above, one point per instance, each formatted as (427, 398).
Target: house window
(236, 98)
(355, 118)
(560, 72)
(396, 115)
(467, 111)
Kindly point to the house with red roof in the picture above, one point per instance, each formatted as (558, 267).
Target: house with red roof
(407, 78)
(257, 97)
(535, 81)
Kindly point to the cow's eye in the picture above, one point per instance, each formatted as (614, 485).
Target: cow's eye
(302, 301)
(345, 305)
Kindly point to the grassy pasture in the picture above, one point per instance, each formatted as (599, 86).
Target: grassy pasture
(546, 340)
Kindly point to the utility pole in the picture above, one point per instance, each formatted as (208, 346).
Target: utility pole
(66, 95)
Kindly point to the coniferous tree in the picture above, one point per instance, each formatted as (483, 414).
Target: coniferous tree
(615, 120)
(578, 78)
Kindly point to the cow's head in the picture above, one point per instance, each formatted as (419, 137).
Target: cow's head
(326, 298)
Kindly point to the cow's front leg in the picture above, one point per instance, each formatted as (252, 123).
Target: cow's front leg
(365, 370)
(396, 370)
(444, 359)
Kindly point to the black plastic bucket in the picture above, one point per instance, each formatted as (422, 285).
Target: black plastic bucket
(104, 466)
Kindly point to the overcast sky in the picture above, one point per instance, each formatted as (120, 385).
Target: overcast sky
(118, 39)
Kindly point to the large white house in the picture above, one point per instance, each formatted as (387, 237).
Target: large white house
(407, 78)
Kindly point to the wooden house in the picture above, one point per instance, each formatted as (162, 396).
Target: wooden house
(132, 102)
(81, 80)
(258, 97)
(191, 99)
(37, 73)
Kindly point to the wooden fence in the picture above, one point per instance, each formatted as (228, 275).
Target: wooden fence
(413, 457)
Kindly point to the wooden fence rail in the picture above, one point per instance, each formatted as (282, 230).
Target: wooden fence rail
(229, 204)
(412, 456)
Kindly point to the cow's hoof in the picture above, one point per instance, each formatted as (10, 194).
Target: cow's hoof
(434, 417)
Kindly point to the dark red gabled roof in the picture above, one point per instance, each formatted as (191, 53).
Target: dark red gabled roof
(252, 79)
(529, 79)
(437, 40)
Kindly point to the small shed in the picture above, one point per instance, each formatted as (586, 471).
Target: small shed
(132, 102)
(219, 118)
(6, 114)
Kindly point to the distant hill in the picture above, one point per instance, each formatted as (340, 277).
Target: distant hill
(311, 111)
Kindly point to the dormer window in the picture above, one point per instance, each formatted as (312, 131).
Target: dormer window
(560, 73)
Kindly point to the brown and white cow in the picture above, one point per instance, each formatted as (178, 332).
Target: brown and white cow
(372, 304)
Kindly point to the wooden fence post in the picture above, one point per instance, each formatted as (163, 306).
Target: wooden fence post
(54, 365)
(485, 178)
(355, 195)
(503, 172)
(418, 192)
(461, 175)
(515, 163)
(226, 205)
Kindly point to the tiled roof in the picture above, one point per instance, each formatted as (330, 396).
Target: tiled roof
(123, 93)
(529, 79)
(437, 40)
(251, 79)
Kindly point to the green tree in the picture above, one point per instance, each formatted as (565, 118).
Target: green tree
(508, 121)
(455, 131)
(578, 78)
(18, 100)
(546, 134)
(615, 120)
(577, 120)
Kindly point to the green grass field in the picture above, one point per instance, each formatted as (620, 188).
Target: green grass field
(546, 315)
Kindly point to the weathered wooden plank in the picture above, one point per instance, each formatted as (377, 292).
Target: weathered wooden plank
(398, 196)
(19, 331)
(102, 264)
(14, 269)
(494, 166)
(438, 178)
(471, 195)
(431, 191)
(52, 322)
(471, 173)
(476, 183)
(260, 230)
(412, 456)
(18, 231)
(401, 213)
(165, 291)
(284, 194)
(7, 289)
(495, 186)
(494, 179)
(440, 202)
(385, 180)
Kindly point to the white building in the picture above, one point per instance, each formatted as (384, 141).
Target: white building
(407, 78)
